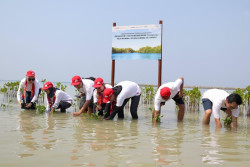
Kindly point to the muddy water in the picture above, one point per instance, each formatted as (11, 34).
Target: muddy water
(28, 138)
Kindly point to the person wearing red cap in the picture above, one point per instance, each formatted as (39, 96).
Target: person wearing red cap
(86, 89)
(170, 90)
(120, 94)
(31, 89)
(100, 86)
(56, 98)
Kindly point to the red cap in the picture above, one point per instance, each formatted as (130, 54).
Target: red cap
(30, 74)
(76, 80)
(47, 85)
(107, 93)
(165, 92)
(98, 82)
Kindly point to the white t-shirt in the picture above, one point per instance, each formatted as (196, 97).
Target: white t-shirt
(95, 93)
(60, 96)
(174, 89)
(87, 88)
(28, 88)
(129, 89)
(218, 97)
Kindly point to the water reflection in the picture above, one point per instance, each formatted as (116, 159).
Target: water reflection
(39, 131)
(210, 146)
(28, 126)
(167, 145)
(106, 139)
(220, 146)
(48, 137)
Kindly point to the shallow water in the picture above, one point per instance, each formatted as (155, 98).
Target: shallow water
(28, 138)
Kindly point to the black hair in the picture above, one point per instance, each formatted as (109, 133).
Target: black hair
(52, 92)
(91, 78)
(234, 97)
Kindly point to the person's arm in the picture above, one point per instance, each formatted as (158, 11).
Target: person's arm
(19, 93)
(95, 96)
(52, 110)
(89, 94)
(157, 109)
(114, 112)
(181, 87)
(28, 105)
(155, 114)
(234, 122)
(59, 97)
(96, 101)
(235, 114)
(216, 113)
(37, 87)
(83, 109)
(47, 107)
(217, 122)
(107, 110)
(81, 94)
(98, 107)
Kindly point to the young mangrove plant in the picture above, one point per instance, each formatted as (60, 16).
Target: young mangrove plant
(93, 116)
(59, 85)
(41, 97)
(3, 89)
(158, 117)
(192, 98)
(43, 81)
(10, 87)
(76, 99)
(42, 93)
(227, 121)
(41, 108)
(3, 106)
(247, 95)
(148, 93)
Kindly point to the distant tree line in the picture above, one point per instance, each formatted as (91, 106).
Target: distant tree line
(146, 49)
(122, 50)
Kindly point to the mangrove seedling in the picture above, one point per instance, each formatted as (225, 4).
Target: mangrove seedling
(158, 117)
(43, 81)
(59, 85)
(95, 116)
(227, 121)
(148, 93)
(4, 106)
(41, 108)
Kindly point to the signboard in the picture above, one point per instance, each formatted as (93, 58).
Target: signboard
(136, 42)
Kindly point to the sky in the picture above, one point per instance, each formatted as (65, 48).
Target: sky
(206, 42)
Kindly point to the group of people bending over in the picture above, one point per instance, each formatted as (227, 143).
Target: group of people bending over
(96, 96)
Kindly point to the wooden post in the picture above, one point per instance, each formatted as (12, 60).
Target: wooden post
(160, 60)
(113, 67)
